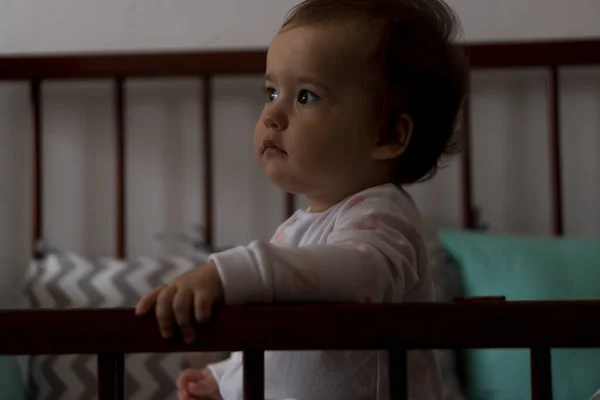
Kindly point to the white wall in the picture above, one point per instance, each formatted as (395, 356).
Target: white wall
(164, 180)
(93, 25)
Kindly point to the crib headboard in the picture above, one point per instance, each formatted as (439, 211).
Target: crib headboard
(206, 65)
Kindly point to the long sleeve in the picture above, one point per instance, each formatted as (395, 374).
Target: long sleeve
(220, 368)
(371, 255)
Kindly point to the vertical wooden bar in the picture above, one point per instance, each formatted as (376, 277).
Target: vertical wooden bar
(207, 126)
(541, 374)
(254, 375)
(398, 370)
(555, 157)
(111, 370)
(36, 103)
(121, 168)
(290, 204)
(468, 212)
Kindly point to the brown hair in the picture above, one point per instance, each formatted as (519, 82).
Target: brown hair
(423, 73)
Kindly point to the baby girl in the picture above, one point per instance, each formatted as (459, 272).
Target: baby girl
(362, 99)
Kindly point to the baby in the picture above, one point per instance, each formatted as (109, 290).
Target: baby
(362, 99)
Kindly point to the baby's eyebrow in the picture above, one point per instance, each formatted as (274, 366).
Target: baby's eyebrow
(318, 83)
(302, 80)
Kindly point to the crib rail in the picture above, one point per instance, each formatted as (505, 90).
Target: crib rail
(112, 333)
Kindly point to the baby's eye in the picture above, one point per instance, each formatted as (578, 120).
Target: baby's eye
(272, 94)
(307, 97)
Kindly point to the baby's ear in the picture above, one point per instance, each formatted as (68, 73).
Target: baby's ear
(395, 140)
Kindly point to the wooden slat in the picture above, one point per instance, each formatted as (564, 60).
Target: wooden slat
(121, 222)
(533, 54)
(38, 198)
(168, 64)
(398, 374)
(254, 375)
(541, 374)
(207, 157)
(111, 370)
(281, 327)
(245, 62)
(289, 204)
(468, 212)
(555, 156)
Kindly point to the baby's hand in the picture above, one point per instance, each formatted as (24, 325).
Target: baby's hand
(198, 384)
(197, 290)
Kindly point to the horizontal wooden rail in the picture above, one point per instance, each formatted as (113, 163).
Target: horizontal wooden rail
(167, 64)
(251, 62)
(534, 54)
(290, 327)
(112, 333)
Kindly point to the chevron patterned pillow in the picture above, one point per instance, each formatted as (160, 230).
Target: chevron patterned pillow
(67, 280)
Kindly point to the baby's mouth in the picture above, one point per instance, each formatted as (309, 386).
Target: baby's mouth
(269, 147)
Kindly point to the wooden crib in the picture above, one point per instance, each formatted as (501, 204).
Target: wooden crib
(484, 322)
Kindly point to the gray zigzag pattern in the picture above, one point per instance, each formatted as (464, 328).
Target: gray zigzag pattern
(94, 297)
(131, 384)
(184, 364)
(33, 279)
(166, 386)
(58, 294)
(158, 277)
(86, 378)
(90, 284)
(57, 387)
(129, 294)
(32, 384)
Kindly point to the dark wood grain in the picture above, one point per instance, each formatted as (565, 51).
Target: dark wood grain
(468, 213)
(111, 369)
(120, 179)
(251, 62)
(37, 178)
(290, 327)
(541, 373)
(254, 375)
(555, 154)
(534, 53)
(289, 202)
(207, 157)
(398, 364)
(167, 64)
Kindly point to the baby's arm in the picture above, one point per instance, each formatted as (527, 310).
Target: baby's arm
(370, 256)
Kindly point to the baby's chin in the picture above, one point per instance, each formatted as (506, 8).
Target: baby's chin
(283, 180)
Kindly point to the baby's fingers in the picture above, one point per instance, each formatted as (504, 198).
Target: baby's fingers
(164, 311)
(148, 301)
(182, 308)
(202, 306)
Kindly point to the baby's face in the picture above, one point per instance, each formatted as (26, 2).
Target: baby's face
(317, 128)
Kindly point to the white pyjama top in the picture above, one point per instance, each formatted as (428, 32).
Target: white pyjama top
(368, 248)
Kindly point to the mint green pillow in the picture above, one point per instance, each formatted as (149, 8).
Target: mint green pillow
(528, 268)
(11, 381)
